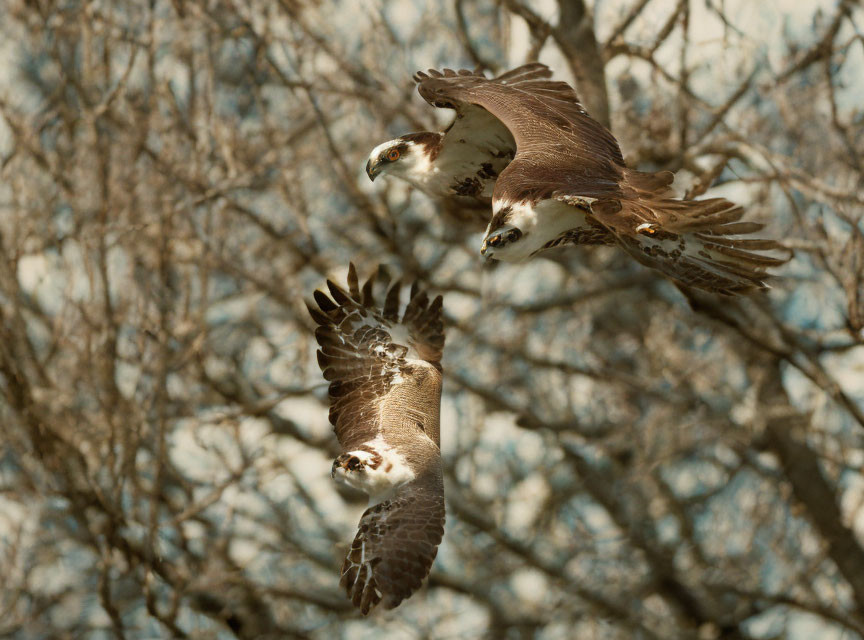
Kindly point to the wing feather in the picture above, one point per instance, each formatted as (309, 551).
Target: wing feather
(397, 538)
(353, 282)
(358, 354)
(474, 123)
(557, 142)
(395, 545)
(531, 106)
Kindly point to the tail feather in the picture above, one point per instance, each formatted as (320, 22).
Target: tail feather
(697, 243)
(748, 257)
(736, 228)
(750, 244)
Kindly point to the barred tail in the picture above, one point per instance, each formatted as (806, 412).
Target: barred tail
(699, 243)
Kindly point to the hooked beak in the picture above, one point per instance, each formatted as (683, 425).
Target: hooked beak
(372, 170)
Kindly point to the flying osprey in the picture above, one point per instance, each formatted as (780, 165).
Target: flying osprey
(568, 183)
(385, 399)
(458, 165)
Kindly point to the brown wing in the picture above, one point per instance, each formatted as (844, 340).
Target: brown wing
(559, 146)
(563, 153)
(396, 544)
(358, 354)
(474, 123)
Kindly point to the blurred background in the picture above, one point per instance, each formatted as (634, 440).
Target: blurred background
(177, 176)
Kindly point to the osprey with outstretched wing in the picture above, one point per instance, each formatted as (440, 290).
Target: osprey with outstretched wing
(385, 397)
(568, 184)
(458, 165)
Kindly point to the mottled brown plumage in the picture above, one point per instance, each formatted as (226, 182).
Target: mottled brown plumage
(564, 156)
(385, 395)
(458, 165)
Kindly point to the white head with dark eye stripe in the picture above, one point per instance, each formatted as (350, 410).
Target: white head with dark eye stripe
(498, 243)
(519, 230)
(405, 157)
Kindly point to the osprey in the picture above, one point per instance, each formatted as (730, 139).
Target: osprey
(385, 400)
(459, 164)
(568, 184)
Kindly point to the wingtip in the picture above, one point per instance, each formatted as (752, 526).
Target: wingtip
(319, 317)
(353, 283)
(339, 294)
(382, 275)
(324, 302)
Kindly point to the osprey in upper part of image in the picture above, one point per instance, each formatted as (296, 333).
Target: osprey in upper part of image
(567, 183)
(385, 400)
(458, 165)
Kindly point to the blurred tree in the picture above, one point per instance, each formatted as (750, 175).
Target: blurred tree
(623, 462)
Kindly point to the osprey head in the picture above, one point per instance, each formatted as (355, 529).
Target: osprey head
(520, 230)
(403, 156)
(500, 242)
(507, 231)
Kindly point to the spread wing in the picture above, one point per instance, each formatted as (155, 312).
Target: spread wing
(559, 146)
(366, 350)
(475, 124)
(395, 546)
(563, 153)
(385, 392)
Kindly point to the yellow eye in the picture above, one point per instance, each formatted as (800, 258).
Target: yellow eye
(393, 155)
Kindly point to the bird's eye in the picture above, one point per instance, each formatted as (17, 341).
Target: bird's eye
(393, 155)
